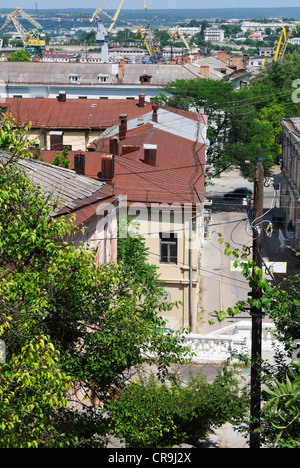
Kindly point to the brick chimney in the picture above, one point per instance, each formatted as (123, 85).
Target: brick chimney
(62, 96)
(114, 146)
(154, 112)
(222, 55)
(237, 61)
(122, 126)
(141, 100)
(204, 70)
(107, 168)
(126, 149)
(121, 71)
(79, 163)
(150, 154)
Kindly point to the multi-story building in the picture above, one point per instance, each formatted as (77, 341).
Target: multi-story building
(290, 186)
(214, 35)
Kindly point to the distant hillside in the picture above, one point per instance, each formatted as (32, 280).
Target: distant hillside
(169, 17)
(226, 13)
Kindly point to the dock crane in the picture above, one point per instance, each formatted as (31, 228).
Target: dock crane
(102, 34)
(151, 45)
(282, 44)
(34, 40)
(288, 37)
(187, 45)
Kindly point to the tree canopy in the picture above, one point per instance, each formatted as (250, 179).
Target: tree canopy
(244, 124)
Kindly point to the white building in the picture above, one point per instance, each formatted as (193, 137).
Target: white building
(214, 35)
(295, 41)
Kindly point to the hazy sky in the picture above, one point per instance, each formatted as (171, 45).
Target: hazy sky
(152, 4)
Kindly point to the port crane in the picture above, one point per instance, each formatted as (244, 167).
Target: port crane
(34, 40)
(151, 45)
(282, 43)
(102, 34)
(288, 37)
(187, 45)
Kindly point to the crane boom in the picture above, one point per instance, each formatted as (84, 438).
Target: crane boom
(34, 40)
(144, 39)
(292, 29)
(116, 15)
(183, 38)
(282, 35)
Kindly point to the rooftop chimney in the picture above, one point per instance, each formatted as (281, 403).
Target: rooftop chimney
(107, 167)
(204, 70)
(122, 126)
(114, 146)
(150, 154)
(141, 100)
(79, 163)
(154, 112)
(62, 97)
(126, 149)
(222, 55)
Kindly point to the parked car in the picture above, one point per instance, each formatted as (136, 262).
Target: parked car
(241, 192)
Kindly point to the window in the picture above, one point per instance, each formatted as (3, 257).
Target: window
(74, 78)
(103, 78)
(168, 247)
(145, 78)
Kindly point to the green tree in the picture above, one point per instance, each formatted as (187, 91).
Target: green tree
(150, 414)
(62, 159)
(33, 388)
(238, 138)
(19, 56)
(280, 420)
(282, 411)
(14, 138)
(99, 321)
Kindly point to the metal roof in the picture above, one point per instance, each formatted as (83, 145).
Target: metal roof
(74, 113)
(64, 185)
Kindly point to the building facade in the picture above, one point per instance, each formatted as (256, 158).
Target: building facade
(290, 183)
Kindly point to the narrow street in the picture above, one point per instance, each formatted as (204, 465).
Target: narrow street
(222, 287)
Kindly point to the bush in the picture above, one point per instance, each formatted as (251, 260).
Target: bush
(148, 414)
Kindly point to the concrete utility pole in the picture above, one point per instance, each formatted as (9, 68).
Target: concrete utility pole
(256, 313)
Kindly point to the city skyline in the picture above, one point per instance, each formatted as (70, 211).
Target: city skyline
(152, 4)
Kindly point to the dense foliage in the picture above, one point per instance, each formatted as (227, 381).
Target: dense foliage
(149, 414)
(67, 325)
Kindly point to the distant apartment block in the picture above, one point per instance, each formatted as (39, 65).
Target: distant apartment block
(214, 35)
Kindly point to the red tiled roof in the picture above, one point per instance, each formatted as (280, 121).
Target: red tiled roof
(178, 176)
(92, 161)
(74, 113)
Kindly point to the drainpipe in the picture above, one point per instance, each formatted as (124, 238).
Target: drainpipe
(190, 276)
(191, 323)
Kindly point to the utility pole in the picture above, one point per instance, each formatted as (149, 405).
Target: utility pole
(256, 313)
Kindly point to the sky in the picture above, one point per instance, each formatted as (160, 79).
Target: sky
(152, 4)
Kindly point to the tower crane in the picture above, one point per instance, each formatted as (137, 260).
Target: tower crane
(151, 45)
(187, 45)
(102, 34)
(280, 42)
(34, 40)
(288, 37)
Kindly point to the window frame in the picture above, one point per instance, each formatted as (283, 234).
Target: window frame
(168, 242)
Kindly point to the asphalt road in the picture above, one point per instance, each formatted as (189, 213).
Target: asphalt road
(221, 287)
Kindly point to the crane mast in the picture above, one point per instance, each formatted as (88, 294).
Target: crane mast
(34, 40)
(102, 34)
